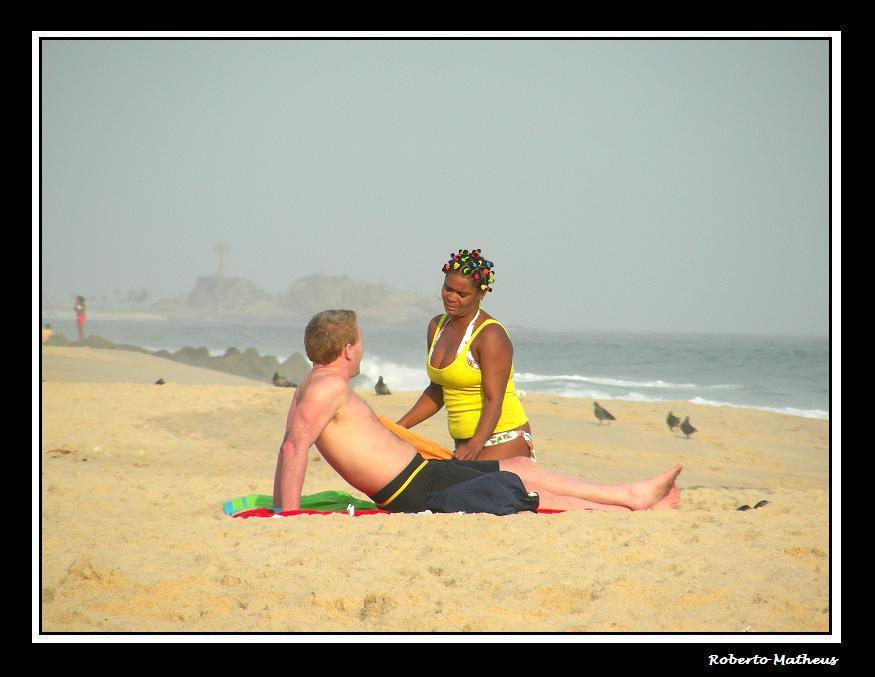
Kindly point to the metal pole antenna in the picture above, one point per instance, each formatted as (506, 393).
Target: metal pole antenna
(221, 249)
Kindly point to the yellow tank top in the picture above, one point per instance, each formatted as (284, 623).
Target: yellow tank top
(463, 395)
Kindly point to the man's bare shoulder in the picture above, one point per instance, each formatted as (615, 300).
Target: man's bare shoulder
(323, 386)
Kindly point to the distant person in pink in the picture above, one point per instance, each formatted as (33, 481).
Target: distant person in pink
(80, 315)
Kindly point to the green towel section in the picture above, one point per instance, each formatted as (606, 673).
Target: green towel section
(323, 500)
(250, 502)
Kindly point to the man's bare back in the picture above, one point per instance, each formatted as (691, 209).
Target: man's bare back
(360, 448)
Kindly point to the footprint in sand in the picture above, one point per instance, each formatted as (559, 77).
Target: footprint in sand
(375, 606)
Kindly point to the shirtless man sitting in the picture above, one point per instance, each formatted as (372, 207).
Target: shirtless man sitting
(326, 412)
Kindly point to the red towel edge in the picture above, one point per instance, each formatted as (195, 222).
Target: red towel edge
(264, 512)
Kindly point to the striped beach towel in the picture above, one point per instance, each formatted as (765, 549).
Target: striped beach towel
(322, 502)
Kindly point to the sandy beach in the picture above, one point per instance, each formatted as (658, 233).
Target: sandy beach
(134, 538)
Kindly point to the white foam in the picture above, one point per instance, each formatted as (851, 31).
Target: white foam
(640, 397)
(789, 411)
(603, 381)
(805, 413)
(398, 377)
(589, 394)
(580, 394)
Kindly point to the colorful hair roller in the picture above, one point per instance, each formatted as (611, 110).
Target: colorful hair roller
(471, 263)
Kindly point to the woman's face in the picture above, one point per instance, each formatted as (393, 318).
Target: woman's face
(459, 295)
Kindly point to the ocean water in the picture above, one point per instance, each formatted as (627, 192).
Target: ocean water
(785, 374)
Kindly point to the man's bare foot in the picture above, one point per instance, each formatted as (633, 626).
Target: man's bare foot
(670, 500)
(648, 494)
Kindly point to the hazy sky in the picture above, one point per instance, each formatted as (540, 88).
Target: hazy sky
(666, 185)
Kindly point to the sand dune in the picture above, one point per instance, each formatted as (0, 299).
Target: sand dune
(134, 539)
(63, 364)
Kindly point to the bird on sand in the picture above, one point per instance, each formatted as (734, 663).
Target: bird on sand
(601, 413)
(761, 504)
(687, 427)
(381, 388)
(672, 421)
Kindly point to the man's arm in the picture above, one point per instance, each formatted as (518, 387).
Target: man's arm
(307, 418)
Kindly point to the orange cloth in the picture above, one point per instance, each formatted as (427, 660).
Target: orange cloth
(424, 446)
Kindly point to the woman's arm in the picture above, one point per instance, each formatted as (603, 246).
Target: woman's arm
(429, 403)
(495, 357)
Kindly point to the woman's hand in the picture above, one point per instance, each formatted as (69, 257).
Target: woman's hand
(467, 451)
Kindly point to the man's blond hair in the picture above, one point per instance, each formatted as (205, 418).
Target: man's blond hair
(328, 333)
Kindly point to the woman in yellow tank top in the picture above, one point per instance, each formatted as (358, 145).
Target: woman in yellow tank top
(470, 365)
